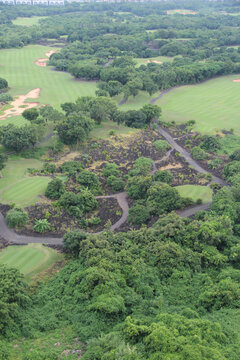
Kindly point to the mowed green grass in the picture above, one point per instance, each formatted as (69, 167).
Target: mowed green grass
(17, 66)
(135, 103)
(28, 21)
(214, 105)
(17, 186)
(30, 259)
(196, 192)
(143, 61)
(102, 131)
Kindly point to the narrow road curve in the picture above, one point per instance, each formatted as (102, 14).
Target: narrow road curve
(13, 238)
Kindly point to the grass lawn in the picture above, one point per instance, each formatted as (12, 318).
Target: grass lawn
(214, 105)
(135, 103)
(17, 66)
(28, 21)
(196, 192)
(143, 61)
(102, 131)
(17, 186)
(30, 259)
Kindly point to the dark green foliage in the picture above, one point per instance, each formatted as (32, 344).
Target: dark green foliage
(42, 226)
(139, 214)
(88, 179)
(235, 155)
(163, 176)
(137, 186)
(231, 169)
(116, 183)
(152, 112)
(30, 114)
(74, 129)
(210, 143)
(136, 119)
(110, 169)
(16, 217)
(71, 167)
(13, 299)
(3, 84)
(72, 240)
(5, 97)
(161, 145)
(198, 153)
(3, 160)
(55, 189)
(49, 168)
(78, 203)
(163, 198)
(17, 138)
(142, 166)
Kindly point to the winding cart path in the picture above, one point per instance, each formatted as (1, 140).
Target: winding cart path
(13, 238)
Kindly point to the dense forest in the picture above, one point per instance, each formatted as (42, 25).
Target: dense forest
(165, 287)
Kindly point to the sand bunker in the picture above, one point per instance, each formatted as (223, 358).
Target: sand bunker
(154, 61)
(20, 101)
(237, 80)
(43, 62)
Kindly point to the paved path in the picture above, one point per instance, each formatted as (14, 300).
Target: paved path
(121, 198)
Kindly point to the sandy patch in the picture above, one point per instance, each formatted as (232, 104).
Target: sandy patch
(181, 11)
(20, 101)
(153, 61)
(69, 157)
(171, 166)
(236, 80)
(43, 62)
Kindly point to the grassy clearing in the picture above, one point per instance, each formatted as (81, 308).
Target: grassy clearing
(214, 105)
(229, 143)
(181, 11)
(102, 131)
(196, 192)
(135, 103)
(17, 187)
(143, 61)
(31, 259)
(17, 66)
(28, 21)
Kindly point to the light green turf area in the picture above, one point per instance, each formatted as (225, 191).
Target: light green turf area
(31, 259)
(135, 103)
(181, 11)
(102, 131)
(196, 192)
(214, 105)
(143, 61)
(17, 186)
(28, 21)
(17, 66)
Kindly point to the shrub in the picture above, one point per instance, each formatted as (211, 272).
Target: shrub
(163, 198)
(55, 189)
(235, 155)
(110, 169)
(4, 97)
(117, 184)
(41, 226)
(137, 186)
(162, 145)
(3, 83)
(93, 221)
(142, 166)
(88, 179)
(49, 167)
(215, 163)
(72, 240)
(30, 114)
(198, 153)
(163, 176)
(139, 214)
(16, 217)
(71, 166)
(210, 143)
(231, 169)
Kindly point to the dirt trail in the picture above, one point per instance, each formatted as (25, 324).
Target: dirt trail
(16, 104)
(43, 62)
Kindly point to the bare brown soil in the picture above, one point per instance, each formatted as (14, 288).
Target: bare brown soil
(43, 62)
(236, 80)
(16, 104)
(154, 61)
